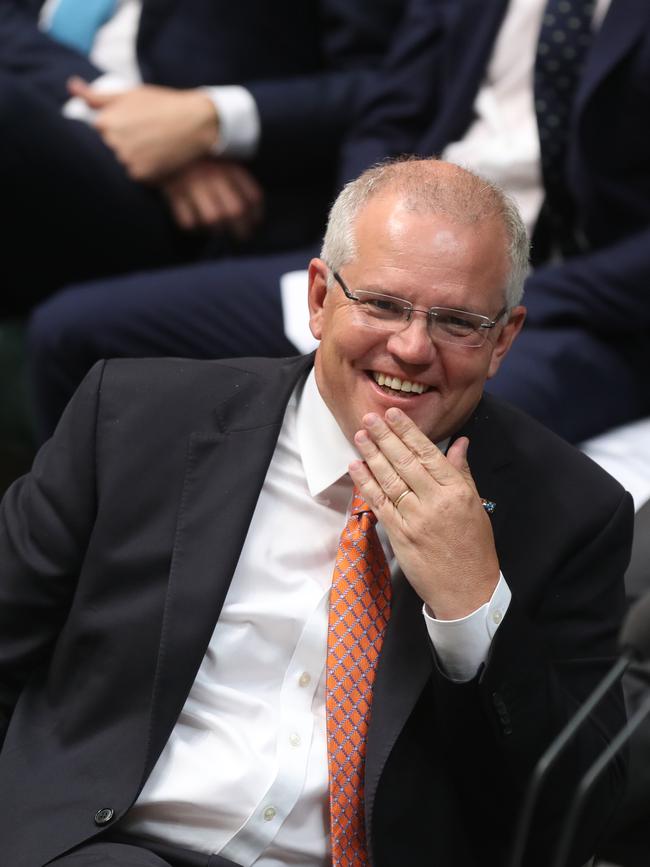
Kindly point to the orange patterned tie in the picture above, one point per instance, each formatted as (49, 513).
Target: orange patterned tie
(359, 612)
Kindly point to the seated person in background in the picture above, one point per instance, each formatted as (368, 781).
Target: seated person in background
(114, 151)
(207, 650)
(543, 98)
(462, 85)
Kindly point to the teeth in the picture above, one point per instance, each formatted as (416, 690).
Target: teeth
(399, 384)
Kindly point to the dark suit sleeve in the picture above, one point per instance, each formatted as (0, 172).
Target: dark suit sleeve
(606, 290)
(46, 519)
(550, 651)
(403, 99)
(305, 116)
(31, 54)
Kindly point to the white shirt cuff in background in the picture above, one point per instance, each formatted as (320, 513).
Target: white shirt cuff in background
(462, 645)
(239, 121)
(76, 109)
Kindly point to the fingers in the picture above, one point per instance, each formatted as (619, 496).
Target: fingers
(182, 210)
(370, 489)
(420, 445)
(230, 207)
(249, 188)
(207, 194)
(78, 87)
(390, 482)
(427, 503)
(399, 459)
(244, 203)
(193, 208)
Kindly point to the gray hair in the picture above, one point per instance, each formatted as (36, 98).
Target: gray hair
(428, 186)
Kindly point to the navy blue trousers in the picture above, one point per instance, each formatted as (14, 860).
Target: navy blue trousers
(577, 383)
(71, 211)
(220, 309)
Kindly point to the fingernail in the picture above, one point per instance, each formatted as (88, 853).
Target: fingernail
(371, 419)
(361, 437)
(393, 414)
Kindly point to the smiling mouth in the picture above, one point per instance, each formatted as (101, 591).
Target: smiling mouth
(392, 384)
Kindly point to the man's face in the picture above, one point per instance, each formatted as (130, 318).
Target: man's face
(429, 260)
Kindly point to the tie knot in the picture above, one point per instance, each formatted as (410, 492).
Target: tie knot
(359, 506)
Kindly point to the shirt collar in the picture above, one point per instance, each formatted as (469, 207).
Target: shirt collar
(324, 449)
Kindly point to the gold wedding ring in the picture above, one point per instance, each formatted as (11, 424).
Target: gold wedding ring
(401, 497)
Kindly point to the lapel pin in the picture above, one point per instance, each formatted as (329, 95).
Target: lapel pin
(488, 505)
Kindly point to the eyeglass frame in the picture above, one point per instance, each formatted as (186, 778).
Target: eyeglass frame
(431, 313)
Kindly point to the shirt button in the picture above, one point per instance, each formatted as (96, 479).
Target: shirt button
(269, 814)
(497, 616)
(305, 679)
(294, 739)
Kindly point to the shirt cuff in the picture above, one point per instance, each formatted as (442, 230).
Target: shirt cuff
(239, 121)
(462, 645)
(76, 109)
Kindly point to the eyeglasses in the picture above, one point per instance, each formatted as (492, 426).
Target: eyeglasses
(387, 313)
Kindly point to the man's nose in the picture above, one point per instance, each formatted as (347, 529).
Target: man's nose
(413, 342)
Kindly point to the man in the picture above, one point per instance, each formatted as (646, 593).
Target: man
(460, 80)
(170, 685)
(170, 130)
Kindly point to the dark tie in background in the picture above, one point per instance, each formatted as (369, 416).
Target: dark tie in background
(564, 40)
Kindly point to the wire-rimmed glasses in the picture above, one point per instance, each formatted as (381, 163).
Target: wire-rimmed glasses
(387, 313)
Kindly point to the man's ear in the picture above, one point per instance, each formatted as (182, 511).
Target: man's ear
(506, 338)
(316, 295)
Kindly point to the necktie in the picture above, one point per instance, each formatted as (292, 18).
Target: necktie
(75, 22)
(564, 39)
(359, 612)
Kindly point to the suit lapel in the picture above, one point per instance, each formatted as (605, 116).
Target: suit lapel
(225, 470)
(625, 22)
(490, 460)
(403, 670)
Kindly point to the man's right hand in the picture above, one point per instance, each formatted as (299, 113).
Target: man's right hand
(215, 194)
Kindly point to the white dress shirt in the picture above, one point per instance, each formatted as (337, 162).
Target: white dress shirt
(114, 52)
(244, 772)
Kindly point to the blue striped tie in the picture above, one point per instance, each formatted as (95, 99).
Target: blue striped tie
(75, 22)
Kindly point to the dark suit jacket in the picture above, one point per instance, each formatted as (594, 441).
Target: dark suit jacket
(115, 557)
(306, 63)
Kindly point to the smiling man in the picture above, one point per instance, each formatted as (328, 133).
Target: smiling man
(322, 610)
